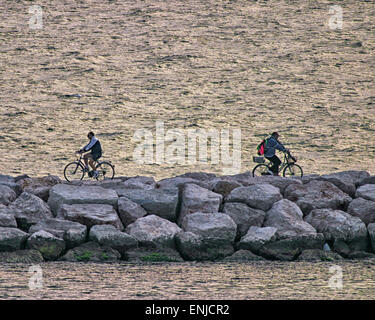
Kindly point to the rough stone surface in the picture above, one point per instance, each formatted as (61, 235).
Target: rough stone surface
(179, 182)
(318, 255)
(366, 180)
(109, 236)
(129, 211)
(39, 186)
(140, 182)
(287, 217)
(29, 209)
(244, 216)
(243, 256)
(47, 244)
(10, 182)
(339, 225)
(7, 195)
(153, 231)
(223, 187)
(21, 256)
(7, 219)
(91, 252)
(363, 209)
(214, 225)
(90, 214)
(256, 237)
(162, 203)
(366, 191)
(195, 247)
(144, 255)
(12, 239)
(317, 194)
(73, 233)
(69, 194)
(195, 198)
(259, 196)
(371, 232)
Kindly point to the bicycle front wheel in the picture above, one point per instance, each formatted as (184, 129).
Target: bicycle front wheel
(74, 171)
(106, 170)
(292, 170)
(261, 170)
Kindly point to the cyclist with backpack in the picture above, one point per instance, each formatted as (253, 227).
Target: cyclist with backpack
(268, 147)
(96, 152)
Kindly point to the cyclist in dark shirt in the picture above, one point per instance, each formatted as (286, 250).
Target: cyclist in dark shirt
(96, 152)
(269, 152)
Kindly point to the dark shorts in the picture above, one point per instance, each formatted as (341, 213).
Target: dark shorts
(96, 156)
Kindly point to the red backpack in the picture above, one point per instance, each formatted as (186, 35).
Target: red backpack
(261, 147)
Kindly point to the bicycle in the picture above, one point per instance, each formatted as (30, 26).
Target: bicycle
(288, 167)
(76, 170)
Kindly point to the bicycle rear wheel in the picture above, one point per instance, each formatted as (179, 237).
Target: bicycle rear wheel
(292, 170)
(261, 170)
(106, 170)
(74, 171)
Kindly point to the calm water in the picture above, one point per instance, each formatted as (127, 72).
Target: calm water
(256, 280)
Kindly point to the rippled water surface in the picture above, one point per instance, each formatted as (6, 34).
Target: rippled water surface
(256, 280)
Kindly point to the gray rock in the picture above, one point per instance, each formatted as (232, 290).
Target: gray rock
(91, 252)
(366, 191)
(195, 247)
(73, 233)
(129, 211)
(359, 255)
(243, 256)
(7, 219)
(144, 255)
(47, 244)
(371, 232)
(90, 214)
(29, 209)
(39, 186)
(287, 218)
(69, 194)
(244, 216)
(257, 237)
(195, 198)
(203, 176)
(279, 182)
(12, 239)
(21, 256)
(109, 236)
(317, 194)
(223, 187)
(7, 195)
(259, 196)
(363, 209)
(213, 225)
(153, 231)
(318, 255)
(366, 180)
(288, 249)
(10, 182)
(140, 182)
(162, 203)
(179, 182)
(339, 225)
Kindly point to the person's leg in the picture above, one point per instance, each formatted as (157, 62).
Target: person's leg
(86, 160)
(276, 163)
(91, 162)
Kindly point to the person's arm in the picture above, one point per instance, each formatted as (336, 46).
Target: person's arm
(279, 146)
(89, 145)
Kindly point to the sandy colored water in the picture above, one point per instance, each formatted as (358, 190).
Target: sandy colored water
(118, 66)
(258, 280)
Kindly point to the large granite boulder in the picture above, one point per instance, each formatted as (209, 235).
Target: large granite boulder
(337, 225)
(39, 186)
(47, 244)
(256, 237)
(179, 182)
(317, 194)
(29, 209)
(195, 198)
(366, 180)
(366, 191)
(243, 256)
(61, 194)
(7, 219)
(129, 211)
(144, 255)
(12, 239)
(154, 231)
(287, 218)
(318, 255)
(73, 233)
(10, 182)
(91, 252)
(244, 216)
(162, 203)
(90, 214)
(223, 186)
(258, 196)
(140, 182)
(371, 232)
(7, 195)
(21, 256)
(109, 236)
(363, 209)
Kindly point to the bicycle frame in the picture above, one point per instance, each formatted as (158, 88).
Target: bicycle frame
(288, 159)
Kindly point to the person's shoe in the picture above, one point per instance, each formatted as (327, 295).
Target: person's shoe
(270, 172)
(95, 174)
(85, 170)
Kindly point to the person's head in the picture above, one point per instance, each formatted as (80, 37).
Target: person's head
(275, 134)
(90, 135)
